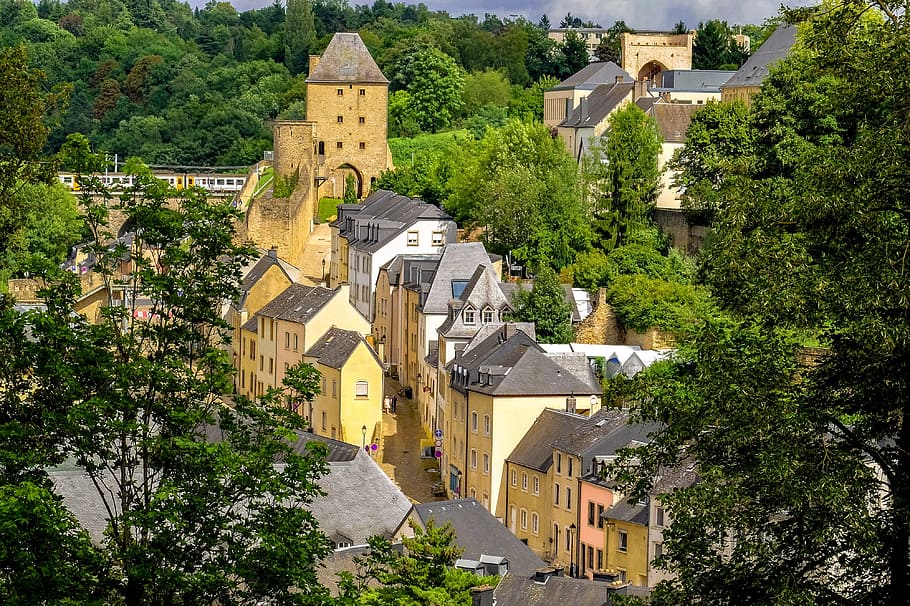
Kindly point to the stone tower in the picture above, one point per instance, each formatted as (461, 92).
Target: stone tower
(646, 55)
(348, 100)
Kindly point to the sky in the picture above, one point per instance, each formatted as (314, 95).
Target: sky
(638, 14)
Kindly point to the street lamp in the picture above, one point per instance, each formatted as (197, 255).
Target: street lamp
(572, 571)
(364, 442)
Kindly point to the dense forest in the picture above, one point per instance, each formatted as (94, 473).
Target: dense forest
(181, 86)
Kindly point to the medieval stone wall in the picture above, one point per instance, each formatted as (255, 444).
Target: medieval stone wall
(670, 51)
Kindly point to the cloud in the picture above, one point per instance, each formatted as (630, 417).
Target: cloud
(638, 14)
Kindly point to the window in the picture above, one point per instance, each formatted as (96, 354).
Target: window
(524, 519)
(658, 550)
(590, 556)
(473, 493)
(558, 462)
(334, 389)
(474, 421)
(295, 342)
(261, 362)
(623, 544)
(287, 340)
(340, 119)
(568, 539)
(363, 145)
(535, 523)
(363, 92)
(438, 238)
(486, 424)
(659, 517)
(556, 494)
(536, 485)
(339, 145)
(271, 365)
(568, 498)
(362, 120)
(340, 92)
(487, 316)
(486, 501)
(323, 383)
(473, 459)
(413, 238)
(324, 423)
(486, 463)
(570, 466)
(514, 478)
(361, 389)
(600, 516)
(524, 482)
(591, 513)
(600, 559)
(469, 316)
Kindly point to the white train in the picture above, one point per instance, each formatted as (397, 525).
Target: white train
(216, 183)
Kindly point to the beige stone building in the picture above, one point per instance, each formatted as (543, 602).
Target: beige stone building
(646, 55)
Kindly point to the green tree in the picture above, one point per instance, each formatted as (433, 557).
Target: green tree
(621, 175)
(530, 205)
(482, 88)
(422, 575)
(206, 502)
(545, 305)
(435, 87)
(610, 46)
(23, 107)
(804, 459)
(712, 46)
(719, 146)
(299, 35)
(572, 54)
(350, 189)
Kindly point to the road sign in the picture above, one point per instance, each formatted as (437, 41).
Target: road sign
(438, 434)
(438, 453)
(438, 443)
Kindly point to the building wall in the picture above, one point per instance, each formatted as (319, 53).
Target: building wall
(671, 51)
(592, 534)
(383, 335)
(325, 419)
(564, 472)
(633, 562)
(248, 364)
(655, 541)
(272, 283)
(518, 496)
(339, 312)
(267, 352)
(739, 93)
(669, 195)
(358, 412)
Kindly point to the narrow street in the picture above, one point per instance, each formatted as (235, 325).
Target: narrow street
(401, 453)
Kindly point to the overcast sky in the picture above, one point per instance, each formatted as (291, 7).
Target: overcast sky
(638, 14)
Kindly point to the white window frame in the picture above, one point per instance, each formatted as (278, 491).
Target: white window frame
(413, 238)
(362, 389)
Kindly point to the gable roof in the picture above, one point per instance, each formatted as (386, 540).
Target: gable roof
(594, 109)
(337, 345)
(298, 303)
(382, 216)
(482, 290)
(257, 268)
(592, 75)
(347, 59)
(459, 261)
(478, 533)
(534, 450)
(757, 67)
(673, 119)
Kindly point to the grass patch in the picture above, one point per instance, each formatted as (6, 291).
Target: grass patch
(404, 149)
(328, 209)
(265, 181)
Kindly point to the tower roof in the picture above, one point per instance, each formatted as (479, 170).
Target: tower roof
(347, 59)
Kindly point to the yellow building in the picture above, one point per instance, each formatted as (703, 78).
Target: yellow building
(626, 532)
(350, 405)
(495, 389)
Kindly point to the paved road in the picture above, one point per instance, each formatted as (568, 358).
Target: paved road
(401, 452)
(318, 248)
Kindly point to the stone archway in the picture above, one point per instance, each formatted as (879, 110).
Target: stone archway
(653, 72)
(347, 169)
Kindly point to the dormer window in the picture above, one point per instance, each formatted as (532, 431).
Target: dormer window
(488, 315)
(469, 314)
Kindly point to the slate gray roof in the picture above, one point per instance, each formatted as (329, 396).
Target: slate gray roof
(252, 324)
(382, 216)
(398, 266)
(757, 67)
(337, 345)
(352, 475)
(535, 449)
(646, 103)
(515, 590)
(594, 109)
(694, 80)
(634, 512)
(593, 429)
(297, 303)
(593, 74)
(482, 290)
(347, 59)
(257, 268)
(478, 533)
(515, 365)
(459, 262)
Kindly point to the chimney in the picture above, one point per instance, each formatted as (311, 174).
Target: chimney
(314, 61)
(273, 252)
(542, 574)
(482, 595)
(584, 108)
(641, 88)
(619, 79)
(570, 403)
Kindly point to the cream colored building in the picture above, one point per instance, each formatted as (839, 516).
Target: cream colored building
(560, 101)
(646, 55)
